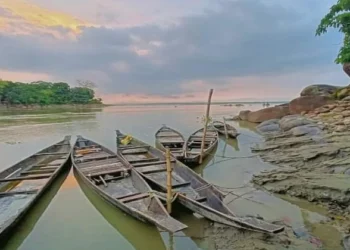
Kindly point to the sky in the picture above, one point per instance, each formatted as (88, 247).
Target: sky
(171, 51)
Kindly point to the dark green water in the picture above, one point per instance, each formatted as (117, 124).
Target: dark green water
(71, 217)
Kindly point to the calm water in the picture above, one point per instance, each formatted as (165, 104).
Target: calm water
(71, 217)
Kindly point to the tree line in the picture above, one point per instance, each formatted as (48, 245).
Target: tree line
(45, 93)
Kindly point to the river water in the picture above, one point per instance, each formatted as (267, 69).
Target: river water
(71, 217)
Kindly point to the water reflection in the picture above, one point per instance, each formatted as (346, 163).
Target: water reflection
(29, 221)
(142, 236)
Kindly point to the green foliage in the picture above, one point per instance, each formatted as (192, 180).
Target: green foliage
(338, 18)
(45, 93)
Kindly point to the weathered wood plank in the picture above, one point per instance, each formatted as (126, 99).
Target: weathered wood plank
(78, 160)
(10, 193)
(132, 147)
(40, 171)
(149, 163)
(135, 151)
(29, 177)
(54, 153)
(106, 172)
(181, 184)
(134, 197)
(143, 160)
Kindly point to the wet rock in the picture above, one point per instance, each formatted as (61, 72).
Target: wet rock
(272, 128)
(307, 103)
(347, 172)
(309, 129)
(330, 106)
(338, 109)
(340, 128)
(346, 98)
(346, 113)
(346, 121)
(292, 121)
(243, 115)
(318, 90)
(268, 114)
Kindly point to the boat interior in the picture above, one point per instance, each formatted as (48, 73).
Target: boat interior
(21, 183)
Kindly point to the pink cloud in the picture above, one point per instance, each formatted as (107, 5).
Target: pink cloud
(23, 76)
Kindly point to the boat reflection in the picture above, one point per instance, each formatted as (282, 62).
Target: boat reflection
(29, 221)
(140, 235)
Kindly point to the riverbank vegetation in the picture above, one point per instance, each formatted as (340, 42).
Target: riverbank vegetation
(45, 93)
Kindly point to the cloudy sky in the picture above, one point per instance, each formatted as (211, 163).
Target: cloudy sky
(166, 50)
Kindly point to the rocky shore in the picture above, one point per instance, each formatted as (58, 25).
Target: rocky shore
(308, 140)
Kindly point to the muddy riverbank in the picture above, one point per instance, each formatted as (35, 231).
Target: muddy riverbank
(312, 158)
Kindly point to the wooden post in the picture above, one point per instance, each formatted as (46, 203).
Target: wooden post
(168, 180)
(226, 134)
(205, 126)
(117, 140)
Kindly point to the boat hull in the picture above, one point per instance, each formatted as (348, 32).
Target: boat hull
(7, 230)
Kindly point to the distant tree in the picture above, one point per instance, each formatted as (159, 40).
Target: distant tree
(86, 84)
(81, 95)
(339, 18)
(44, 93)
(61, 92)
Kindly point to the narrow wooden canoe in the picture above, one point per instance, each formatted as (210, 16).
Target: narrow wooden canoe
(125, 225)
(194, 142)
(112, 178)
(174, 140)
(24, 183)
(192, 191)
(220, 127)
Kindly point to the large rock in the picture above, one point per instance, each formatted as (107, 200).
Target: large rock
(309, 129)
(318, 90)
(292, 121)
(307, 103)
(268, 113)
(270, 126)
(243, 115)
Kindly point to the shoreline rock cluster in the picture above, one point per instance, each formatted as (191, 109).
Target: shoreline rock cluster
(308, 140)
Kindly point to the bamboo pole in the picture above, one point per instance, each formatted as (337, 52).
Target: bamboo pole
(168, 181)
(226, 134)
(205, 126)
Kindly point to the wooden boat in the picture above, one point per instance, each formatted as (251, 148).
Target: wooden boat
(194, 142)
(192, 191)
(29, 221)
(25, 182)
(125, 225)
(168, 137)
(111, 177)
(220, 127)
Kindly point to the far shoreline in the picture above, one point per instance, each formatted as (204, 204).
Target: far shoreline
(49, 107)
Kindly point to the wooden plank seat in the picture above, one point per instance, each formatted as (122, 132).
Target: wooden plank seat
(39, 171)
(88, 164)
(115, 171)
(53, 153)
(135, 151)
(131, 147)
(10, 193)
(143, 160)
(152, 169)
(48, 165)
(150, 163)
(29, 177)
(95, 168)
(181, 184)
(78, 160)
(134, 197)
